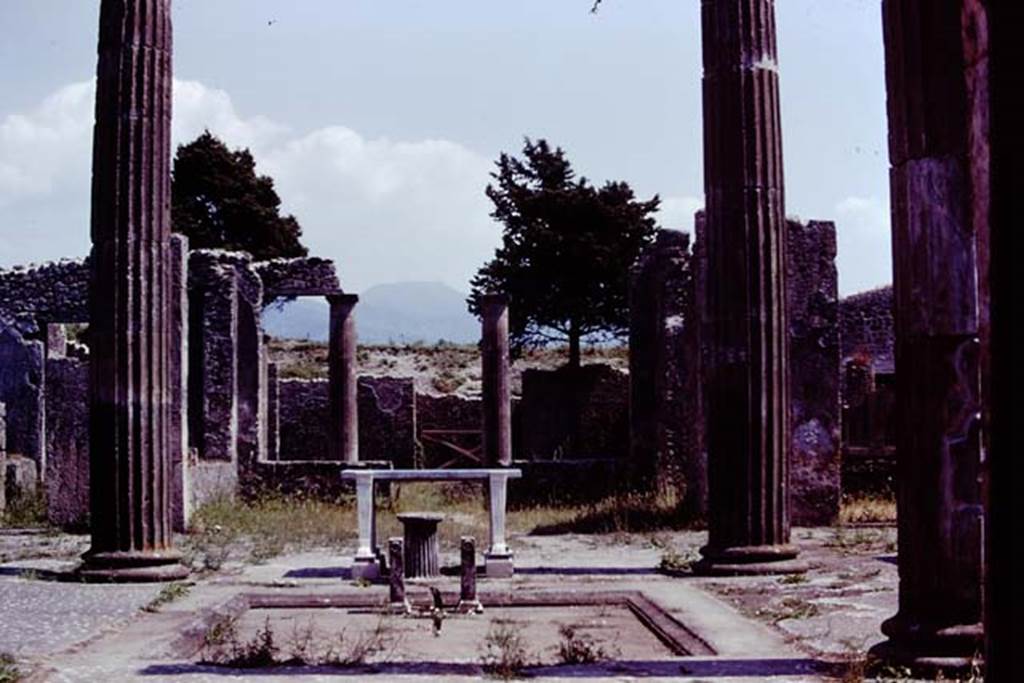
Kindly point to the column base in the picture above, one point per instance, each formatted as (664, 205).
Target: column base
(927, 650)
(365, 569)
(398, 608)
(498, 566)
(132, 567)
(751, 560)
(469, 607)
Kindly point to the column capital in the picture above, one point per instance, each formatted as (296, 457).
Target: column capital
(494, 300)
(341, 299)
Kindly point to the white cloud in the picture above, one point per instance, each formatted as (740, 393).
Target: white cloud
(677, 212)
(864, 244)
(385, 210)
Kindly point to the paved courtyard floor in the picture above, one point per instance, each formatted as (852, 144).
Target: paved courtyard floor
(786, 628)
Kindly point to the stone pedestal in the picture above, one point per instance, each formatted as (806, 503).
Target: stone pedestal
(130, 316)
(746, 375)
(342, 384)
(498, 560)
(937, 351)
(497, 392)
(422, 553)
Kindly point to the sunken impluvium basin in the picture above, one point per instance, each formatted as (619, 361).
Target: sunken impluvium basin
(547, 627)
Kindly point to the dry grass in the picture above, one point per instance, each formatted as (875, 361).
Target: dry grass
(227, 529)
(867, 509)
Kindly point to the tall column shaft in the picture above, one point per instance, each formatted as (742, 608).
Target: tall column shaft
(747, 395)
(1004, 521)
(129, 295)
(497, 392)
(342, 386)
(937, 351)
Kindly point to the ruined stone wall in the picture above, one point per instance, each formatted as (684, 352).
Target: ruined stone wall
(55, 292)
(569, 415)
(387, 420)
(21, 389)
(814, 372)
(3, 456)
(297, 277)
(302, 419)
(665, 424)
(67, 442)
(867, 329)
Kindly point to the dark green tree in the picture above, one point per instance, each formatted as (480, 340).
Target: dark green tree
(566, 250)
(219, 202)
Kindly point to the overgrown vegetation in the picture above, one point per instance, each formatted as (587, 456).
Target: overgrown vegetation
(223, 645)
(256, 530)
(168, 594)
(674, 562)
(25, 511)
(579, 648)
(227, 529)
(9, 670)
(868, 509)
(504, 653)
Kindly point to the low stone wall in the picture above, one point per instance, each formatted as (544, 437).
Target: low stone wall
(569, 481)
(866, 328)
(387, 420)
(67, 442)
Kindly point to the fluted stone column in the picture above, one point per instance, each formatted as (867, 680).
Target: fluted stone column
(1003, 518)
(747, 396)
(130, 308)
(937, 350)
(497, 392)
(342, 385)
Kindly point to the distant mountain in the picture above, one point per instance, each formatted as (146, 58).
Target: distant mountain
(400, 312)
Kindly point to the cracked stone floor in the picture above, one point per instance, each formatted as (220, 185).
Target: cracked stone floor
(786, 628)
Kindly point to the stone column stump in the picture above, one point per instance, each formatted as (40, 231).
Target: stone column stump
(422, 554)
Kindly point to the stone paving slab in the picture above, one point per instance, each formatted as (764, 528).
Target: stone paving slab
(852, 584)
(42, 617)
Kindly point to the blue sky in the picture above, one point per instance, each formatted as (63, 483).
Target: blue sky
(381, 120)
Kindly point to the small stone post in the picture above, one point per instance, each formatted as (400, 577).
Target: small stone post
(396, 578)
(130, 313)
(467, 594)
(497, 396)
(341, 383)
(746, 374)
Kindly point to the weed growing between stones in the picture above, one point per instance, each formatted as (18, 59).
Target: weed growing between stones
(223, 646)
(792, 579)
(167, 595)
(675, 563)
(577, 648)
(9, 671)
(504, 653)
